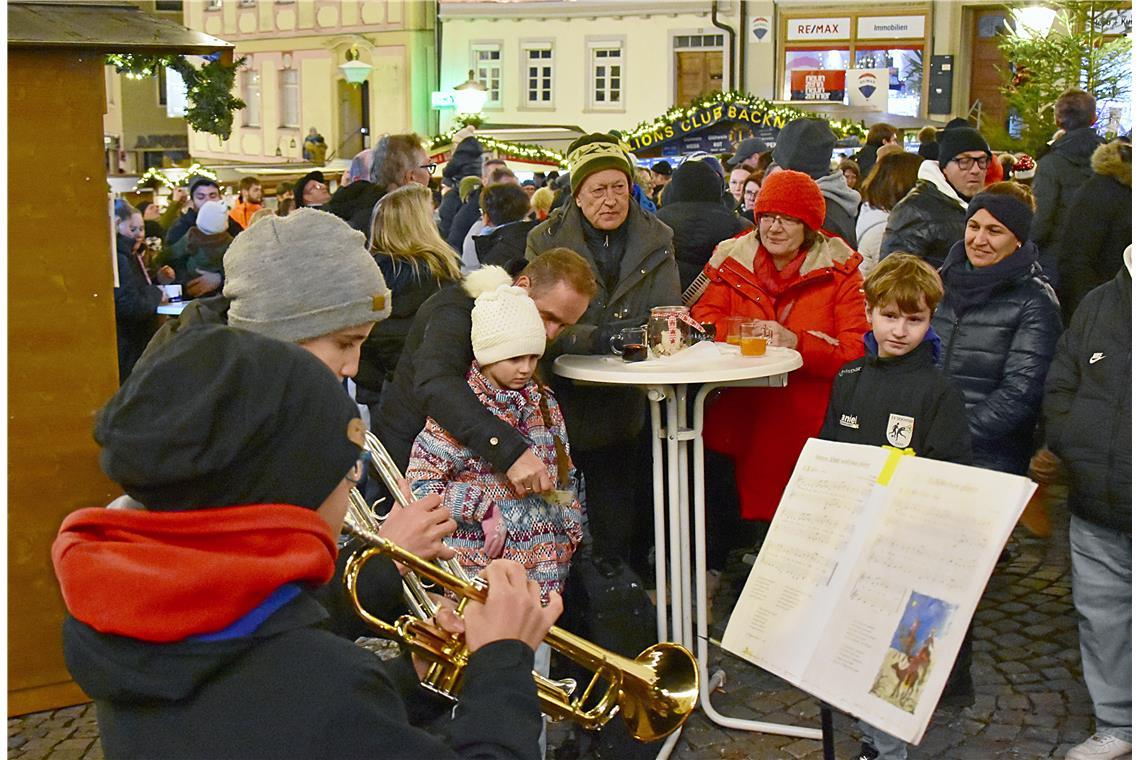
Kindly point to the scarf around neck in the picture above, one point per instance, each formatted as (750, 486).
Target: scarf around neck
(967, 287)
(163, 577)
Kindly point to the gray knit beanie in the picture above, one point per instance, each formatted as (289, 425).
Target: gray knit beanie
(301, 276)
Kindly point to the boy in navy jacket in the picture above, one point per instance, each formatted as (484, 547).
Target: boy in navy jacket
(895, 396)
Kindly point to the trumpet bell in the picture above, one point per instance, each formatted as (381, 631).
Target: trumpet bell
(652, 709)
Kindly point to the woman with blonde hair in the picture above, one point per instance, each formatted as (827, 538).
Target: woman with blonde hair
(415, 262)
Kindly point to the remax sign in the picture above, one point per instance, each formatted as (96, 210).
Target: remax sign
(818, 29)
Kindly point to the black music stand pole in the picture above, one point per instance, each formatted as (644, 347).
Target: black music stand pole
(828, 731)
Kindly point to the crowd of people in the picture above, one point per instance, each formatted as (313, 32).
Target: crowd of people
(934, 285)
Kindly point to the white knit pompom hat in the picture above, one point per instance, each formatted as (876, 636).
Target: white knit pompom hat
(504, 324)
(212, 218)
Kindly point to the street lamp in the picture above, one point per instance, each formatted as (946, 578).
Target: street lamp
(355, 70)
(471, 96)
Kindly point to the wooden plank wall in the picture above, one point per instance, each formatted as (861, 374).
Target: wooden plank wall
(61, 345)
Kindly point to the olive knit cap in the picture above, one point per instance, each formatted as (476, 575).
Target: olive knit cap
(301, 276)
(593, 153)
(793, 194)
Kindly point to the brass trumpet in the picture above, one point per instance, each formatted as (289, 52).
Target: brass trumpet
(654, 692)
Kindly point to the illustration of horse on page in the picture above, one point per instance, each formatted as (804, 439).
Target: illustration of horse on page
(913, 648)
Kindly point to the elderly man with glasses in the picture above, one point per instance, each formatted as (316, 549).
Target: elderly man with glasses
(932, 216)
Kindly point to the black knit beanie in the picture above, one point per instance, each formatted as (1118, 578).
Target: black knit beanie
(1010, 211)
(222, 417)
(957, 141)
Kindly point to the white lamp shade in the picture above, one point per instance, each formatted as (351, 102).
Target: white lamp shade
(355, 72)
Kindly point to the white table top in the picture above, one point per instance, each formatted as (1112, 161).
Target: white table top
(172, 309)
(702, 363)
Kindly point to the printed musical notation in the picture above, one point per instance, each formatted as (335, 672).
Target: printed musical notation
(845, 559)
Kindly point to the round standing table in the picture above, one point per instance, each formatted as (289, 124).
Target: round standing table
(667, 381)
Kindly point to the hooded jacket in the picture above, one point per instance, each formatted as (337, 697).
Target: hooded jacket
(248, 674)
(1088, 405)
(1060, 173)
(842, 206)
(698, 217)
(1099, 225)
(998, 352)
(902, 401)
(764, 429)
(928, 220)
(196, 250)
(645, 276)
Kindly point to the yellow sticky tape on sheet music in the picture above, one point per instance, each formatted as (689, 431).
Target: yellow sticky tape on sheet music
(892, 462)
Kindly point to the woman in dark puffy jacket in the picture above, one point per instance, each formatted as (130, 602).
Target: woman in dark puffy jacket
(415, 262)
(999, 325)
(694, 209)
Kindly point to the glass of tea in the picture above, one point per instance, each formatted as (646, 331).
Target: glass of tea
(753, 338)
(733, 334)
(630, 344)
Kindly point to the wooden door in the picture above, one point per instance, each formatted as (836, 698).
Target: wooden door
(699, 72)
(351, 119)
(987, 64)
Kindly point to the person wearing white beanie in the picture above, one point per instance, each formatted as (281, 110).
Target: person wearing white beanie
(197, 256)
(212, 217)
(540, 531)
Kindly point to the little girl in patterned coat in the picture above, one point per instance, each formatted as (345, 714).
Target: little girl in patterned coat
(540, 531)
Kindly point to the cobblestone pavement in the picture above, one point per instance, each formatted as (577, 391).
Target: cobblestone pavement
(1031, 701)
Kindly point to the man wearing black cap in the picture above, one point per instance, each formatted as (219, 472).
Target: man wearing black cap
(191, 622)
(747, 155)
(932, 216)
(202, 190)
(311, 190)
(661, 173)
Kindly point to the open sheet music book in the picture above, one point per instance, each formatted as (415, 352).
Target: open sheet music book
(869, 575)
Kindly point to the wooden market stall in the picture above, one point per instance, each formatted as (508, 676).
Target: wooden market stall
(62, 361)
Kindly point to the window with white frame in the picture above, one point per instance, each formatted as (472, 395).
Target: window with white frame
(251, 94)
(607, 72)
(290, 98)
(487, 61)
(538, 77)
(213, 5)
(247, 3)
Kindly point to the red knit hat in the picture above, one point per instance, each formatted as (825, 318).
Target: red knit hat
(794, 194)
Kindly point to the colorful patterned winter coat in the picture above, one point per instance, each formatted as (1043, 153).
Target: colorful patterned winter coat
(540, 535)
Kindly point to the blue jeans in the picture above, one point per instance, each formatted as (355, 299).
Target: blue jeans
(1102, 594)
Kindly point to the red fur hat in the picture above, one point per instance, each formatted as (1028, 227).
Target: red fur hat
(793, 194)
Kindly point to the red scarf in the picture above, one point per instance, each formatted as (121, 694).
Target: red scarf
(165, 576)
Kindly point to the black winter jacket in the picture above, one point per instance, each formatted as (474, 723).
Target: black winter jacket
(696, 213)
(135, 304)
(354, 203)
(900, 401)
(1088, 405)
(431, 378)
(292, 690)
(464, 218)
(998, 353)
(504, 244)
(646, 277)
(411, 285)
(927, 221)
(1059, 174)
(1098, 227)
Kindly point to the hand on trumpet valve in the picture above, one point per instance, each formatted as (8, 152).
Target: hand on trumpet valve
(513, 609)
(420, 528)
(446, 618)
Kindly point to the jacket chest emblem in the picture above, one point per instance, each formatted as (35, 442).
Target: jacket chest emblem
(899, 430)
(1096, 357)
(849, 421)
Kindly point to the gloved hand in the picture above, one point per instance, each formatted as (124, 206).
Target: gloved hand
(494, 533)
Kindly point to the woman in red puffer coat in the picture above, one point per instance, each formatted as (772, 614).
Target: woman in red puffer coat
(807, 285)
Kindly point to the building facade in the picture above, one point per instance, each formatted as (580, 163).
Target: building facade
(292, 78)
(611, 65)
